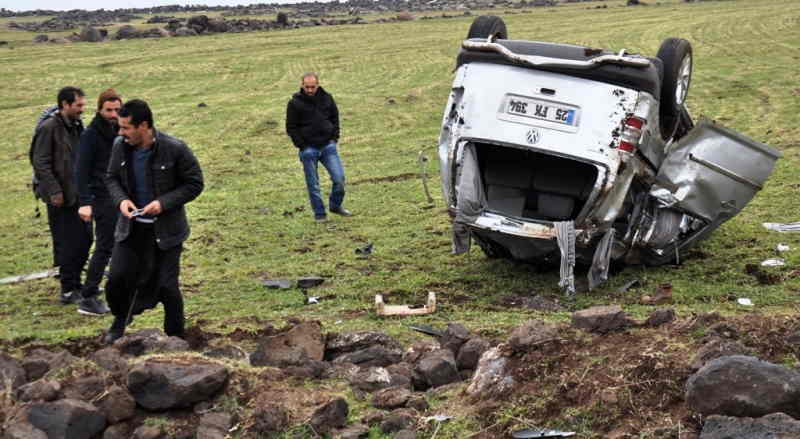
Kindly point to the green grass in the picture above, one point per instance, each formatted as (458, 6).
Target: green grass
(745, 57)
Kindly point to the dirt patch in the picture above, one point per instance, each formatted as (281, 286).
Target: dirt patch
(387, 179)
(762, 276)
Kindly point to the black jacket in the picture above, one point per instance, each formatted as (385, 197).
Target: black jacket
(93, 155)
(176, 178)
(53, 156)
(312, 120)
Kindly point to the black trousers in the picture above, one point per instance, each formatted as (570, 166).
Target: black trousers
(139, 268)
(72, 238)
(105, 221)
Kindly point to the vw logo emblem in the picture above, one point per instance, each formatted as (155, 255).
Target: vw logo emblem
(533, 136)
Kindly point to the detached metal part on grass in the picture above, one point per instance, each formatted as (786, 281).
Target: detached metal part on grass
(555, 152)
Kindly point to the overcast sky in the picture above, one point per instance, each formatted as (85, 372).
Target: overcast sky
(65, 5)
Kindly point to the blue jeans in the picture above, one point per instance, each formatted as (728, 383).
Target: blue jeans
(311, 157)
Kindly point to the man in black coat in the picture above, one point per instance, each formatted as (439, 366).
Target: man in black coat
(151, 176)
(53, 153)
(93, 198)
(312, 122)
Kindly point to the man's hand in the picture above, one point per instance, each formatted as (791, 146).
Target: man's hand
(127, 207)
(57, 200)
(85, 212)
(153, 209)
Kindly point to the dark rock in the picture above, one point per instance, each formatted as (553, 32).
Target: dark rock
(374, 417)
(217, 25)
(454, 336)
(716, 348)
(330, 416)
(723, 330)
(91, 35)
(391, 398)
(40, 362)
(150, 341)
(532, 334)
(39, 390)
(185, 32)
(11, 371)
(371, 379)
(110, 360)
(355, 431)
(399, 419)
(118, 431)
(309, 282)
(402, 375)
(163, 384)
(340, 344)
(371, 356)
(309, 369)
(85, 388)
(116, 404)
(601, 319)
(659, 317)
(149, 432)
(41, 38)
(270, 418)
(35, 368)
(743, 386)
(343, 371)
(438, 368)
(297, 346)
(230, 352)
(199, 23)
(67, 419)
(491, 376)
(126, 32)
(772, 426)
(418, 403)
(471, 352)
(23, 430)
(214, 426)
(282, 19)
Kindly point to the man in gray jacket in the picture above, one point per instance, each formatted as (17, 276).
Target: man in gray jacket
(53, 151)
(151, 176)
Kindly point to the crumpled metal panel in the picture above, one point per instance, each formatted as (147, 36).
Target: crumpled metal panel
(713, 171)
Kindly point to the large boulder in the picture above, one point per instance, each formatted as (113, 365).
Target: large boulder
(772, 426)
(745, 387)
(438, 368)
(370, 379)
(330, 416)
(199, 23)
(391, 398)
(150, 341)
(116, 404)
(270, 419)
(160, 384)
(337, 345)
(126, 32)
(11, 372)
(371, 356)
(297, 346)
(39, 390)
(66, 419)
(214, 426)
(453, 337)
(185, 32)
(91, 34)
(491, 377)
(39, 362)
(471, 352)
(218, 25)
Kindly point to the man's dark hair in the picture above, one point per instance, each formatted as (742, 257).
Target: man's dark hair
(138, 111)
(69, 94)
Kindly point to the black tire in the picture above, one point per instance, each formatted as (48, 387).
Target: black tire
(487, 25)
(676, 55)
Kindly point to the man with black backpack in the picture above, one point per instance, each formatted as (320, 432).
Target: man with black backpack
(53, 152)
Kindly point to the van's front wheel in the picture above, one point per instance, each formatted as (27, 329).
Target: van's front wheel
(676, 55)
(486, 26)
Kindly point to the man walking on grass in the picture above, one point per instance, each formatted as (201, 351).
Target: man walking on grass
(53, 152)
(151, 176)
(95, 202)
(312, 122)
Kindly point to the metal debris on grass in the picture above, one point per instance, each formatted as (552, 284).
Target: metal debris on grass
(628, 285)
(404, 310)
(364, 251)
(778, 227)
(537, 433)
(32, 276)
(780, 248)
(773, 262)
(744, 301)
(427, 330)
(275, 284)
(309, 282)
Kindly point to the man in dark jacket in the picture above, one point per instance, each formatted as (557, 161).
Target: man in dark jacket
(93, 198)
(53, 156)
(312, 122)
(151, 176)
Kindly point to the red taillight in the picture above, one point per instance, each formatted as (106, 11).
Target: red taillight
(631, 134)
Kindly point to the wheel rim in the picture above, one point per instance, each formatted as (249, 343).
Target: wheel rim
(682, 83)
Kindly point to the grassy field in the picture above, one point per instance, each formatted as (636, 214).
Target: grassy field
(391, 82)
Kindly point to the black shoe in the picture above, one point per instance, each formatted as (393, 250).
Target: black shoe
(342, 211)
(92, 306)
(321, 219)
(116, 331)
(70, 297)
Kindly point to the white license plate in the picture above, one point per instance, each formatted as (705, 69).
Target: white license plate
(542, 110)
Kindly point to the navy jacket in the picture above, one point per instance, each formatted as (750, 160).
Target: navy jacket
(312, 120)
(93, 155)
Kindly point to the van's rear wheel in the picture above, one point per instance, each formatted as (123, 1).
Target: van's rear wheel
(676, 55)
(486, 26)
